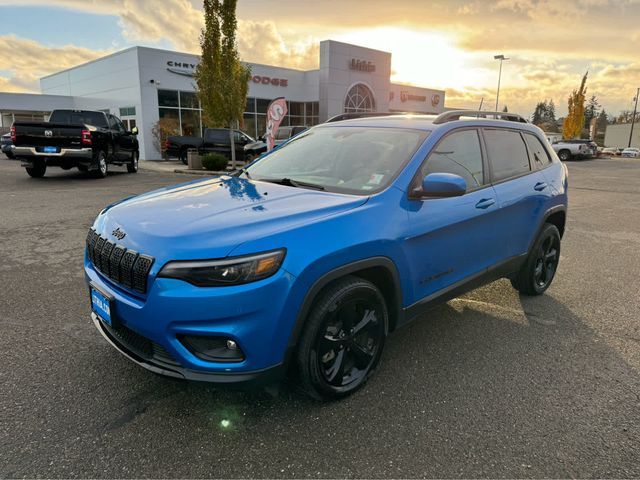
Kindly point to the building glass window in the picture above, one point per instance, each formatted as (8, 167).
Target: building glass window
(182, 108)
(359, 99)
(168, 98)
(189, 100)
(127, 111)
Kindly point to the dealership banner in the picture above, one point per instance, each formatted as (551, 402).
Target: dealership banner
(275, 113)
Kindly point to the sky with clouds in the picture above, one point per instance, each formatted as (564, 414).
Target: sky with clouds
(445, 44)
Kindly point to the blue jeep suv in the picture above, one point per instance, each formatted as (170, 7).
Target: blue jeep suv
(314, 253)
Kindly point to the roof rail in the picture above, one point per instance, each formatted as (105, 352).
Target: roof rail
(452, 115)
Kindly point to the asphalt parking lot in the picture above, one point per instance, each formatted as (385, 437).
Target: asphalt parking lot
(489, 385)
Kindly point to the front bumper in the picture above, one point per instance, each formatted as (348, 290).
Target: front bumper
(160, 362)
(149, 327)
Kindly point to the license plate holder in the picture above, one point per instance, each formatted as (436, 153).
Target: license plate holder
(101, 305)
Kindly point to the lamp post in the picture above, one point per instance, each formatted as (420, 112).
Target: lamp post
(633, 118)
(501, 58)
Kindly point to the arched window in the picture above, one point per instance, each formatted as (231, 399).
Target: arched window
(359, 99)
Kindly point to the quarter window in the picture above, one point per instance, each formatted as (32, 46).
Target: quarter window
(539, 156)
(507, 153)
(458, 153)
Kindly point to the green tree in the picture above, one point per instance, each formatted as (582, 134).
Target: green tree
(603, 121)
(538, 116)
(222, 80)
(591, 111)
(574, 122)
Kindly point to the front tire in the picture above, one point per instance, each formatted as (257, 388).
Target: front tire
(343, 339)
(103, 166)
(37, 170)
(183, 156)
(132, 166)
(541, 265)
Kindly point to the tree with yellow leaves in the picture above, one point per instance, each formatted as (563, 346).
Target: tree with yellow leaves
(574, 122)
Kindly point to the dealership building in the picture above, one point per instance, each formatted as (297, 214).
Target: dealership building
(143, 85)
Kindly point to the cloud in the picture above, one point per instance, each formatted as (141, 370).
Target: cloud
(31, 60)
(261, 42)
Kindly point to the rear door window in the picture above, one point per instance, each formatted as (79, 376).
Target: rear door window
(217, 135)
(458, 153)
(507, 153)
(539, 156)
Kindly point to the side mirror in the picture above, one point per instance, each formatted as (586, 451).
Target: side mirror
(134, 131)
(442, 185)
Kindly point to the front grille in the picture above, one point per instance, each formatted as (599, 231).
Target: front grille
(125, 267)
(141, 346)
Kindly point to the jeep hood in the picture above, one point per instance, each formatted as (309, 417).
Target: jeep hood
(208, 219)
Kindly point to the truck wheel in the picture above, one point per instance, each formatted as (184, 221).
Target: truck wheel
(249, 157)
(103, 167)
(37, 170)
(132, 166)
(538, 271)
(343, 338)
(183, 156)
(564, 155)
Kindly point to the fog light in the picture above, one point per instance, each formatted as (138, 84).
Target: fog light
(213, 349)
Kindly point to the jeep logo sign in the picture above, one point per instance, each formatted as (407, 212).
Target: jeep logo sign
(362, 65)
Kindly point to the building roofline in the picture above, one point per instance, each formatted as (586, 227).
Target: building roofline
(172, 52)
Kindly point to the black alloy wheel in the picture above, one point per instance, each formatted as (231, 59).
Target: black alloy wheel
(540, 268)
(343, 339)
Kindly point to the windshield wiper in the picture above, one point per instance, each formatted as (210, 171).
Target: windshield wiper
(293, 183)
(240, 171)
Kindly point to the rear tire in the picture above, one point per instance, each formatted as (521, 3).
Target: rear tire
(343, 339)
(37, 170)
(103, 166)
(539, 270)
(564, 155)
(132, 166)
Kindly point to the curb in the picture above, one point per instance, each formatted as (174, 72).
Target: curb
(199, 172)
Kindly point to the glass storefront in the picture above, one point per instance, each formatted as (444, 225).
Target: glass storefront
(182, 109)
(299, 113)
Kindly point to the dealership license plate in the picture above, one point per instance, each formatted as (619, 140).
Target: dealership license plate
(101, 305)
(50, 149)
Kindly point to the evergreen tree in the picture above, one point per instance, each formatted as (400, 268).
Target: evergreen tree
(551, 112)
(223, 82)
(574, 122)
(591, 110)
(505, 109)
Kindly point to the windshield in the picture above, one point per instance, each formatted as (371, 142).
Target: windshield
(360, 160)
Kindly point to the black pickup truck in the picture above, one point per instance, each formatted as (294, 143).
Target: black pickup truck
(215, 140)
(84, 139)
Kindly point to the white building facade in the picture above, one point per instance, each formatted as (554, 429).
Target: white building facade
(144, 85)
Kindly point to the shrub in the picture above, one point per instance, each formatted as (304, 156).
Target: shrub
(215, 161)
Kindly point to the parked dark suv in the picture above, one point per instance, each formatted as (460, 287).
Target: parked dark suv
(318, 250)
(215, 140)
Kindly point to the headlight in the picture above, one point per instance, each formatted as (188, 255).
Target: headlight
(228, 271)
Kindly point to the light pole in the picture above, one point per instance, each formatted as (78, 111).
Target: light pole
(633, 118)
(501, 58)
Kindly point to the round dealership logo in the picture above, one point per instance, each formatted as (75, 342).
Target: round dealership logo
(435, 100)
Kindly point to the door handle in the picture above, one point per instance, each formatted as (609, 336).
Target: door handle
(485, 203)
(540, 186)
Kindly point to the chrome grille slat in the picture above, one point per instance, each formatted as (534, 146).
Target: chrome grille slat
(125, 267)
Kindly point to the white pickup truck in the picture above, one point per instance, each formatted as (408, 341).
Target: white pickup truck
(567, 149)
